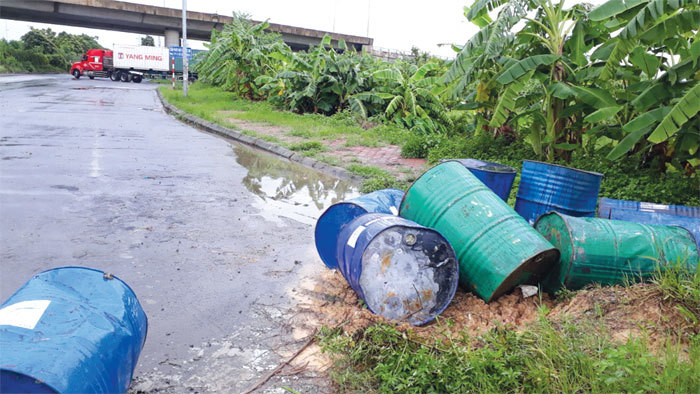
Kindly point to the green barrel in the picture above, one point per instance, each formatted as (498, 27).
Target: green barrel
(595, 250)
(496, 248)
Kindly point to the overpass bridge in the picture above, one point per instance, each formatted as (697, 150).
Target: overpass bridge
(147, 19)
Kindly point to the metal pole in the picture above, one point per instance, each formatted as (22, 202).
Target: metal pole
(184, 48)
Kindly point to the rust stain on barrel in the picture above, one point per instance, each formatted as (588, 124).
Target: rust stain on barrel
(386, 259)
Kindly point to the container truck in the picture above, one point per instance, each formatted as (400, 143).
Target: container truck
(130, 64)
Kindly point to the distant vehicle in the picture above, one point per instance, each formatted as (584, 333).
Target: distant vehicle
(131, 64)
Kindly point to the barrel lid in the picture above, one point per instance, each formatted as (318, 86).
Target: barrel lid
(482, 165)
(561, 166)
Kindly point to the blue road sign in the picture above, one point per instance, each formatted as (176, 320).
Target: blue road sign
(176, 52)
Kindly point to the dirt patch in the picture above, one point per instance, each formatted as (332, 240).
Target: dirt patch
(385, 157)
(626, 311)
(280, 133)
(629, 312)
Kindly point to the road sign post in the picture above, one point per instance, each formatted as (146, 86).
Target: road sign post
(184, 46)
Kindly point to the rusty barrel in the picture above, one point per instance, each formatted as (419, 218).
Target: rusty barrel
(338, 215)
(402, 270)
(70, 330)
(548, 187)
(595, 250)
(496, 248)
(497, 177)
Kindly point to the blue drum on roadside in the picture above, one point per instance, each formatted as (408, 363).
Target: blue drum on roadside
(497, 177)
(337, 216)
(548, 187)
(70, 329)
(402, 270)
(606, 205)
(659, 218)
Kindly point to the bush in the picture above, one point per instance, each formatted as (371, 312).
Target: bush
(418, 145)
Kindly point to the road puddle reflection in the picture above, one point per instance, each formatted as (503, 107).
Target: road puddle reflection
(288, 189)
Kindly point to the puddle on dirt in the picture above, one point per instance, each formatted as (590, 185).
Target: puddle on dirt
(289, 189)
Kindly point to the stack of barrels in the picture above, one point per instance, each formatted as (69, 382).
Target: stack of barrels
(405, 253)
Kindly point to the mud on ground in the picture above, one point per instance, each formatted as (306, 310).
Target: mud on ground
(626, 312)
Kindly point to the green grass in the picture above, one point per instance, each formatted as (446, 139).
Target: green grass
(206, 102)
(547, 358)
(577, 355)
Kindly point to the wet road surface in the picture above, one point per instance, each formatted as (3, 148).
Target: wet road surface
(213, 237)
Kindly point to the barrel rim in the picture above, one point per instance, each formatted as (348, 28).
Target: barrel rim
(113, 277)
(408, 189)
(571, 240)
(378, 215)
(334, 264)
(510, 281)
(568, 168)
(453, 287)
(512, 170)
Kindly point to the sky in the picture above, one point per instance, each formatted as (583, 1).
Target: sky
(393, 24)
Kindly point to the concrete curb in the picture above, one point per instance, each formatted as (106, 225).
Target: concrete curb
(257, 143)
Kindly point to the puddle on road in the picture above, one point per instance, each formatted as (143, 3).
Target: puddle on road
(288, 189)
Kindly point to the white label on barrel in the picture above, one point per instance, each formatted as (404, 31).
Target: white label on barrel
(355, 235)
(651, 206)
(25, 314)
(394, 211)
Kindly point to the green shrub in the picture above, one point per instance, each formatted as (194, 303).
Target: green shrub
(418, 145)
(546, 358)
(308, 146)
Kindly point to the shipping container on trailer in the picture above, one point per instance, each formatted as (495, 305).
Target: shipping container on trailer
(129, 63)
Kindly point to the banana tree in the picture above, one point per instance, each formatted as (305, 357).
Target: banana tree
(239, 54)
(408, 98)
(659, 40)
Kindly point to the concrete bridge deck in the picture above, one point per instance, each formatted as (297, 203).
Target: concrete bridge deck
(147, 19)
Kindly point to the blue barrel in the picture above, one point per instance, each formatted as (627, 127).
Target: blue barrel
(70, 329)
(402, 270)
(644, 217)
(549, 187)
(339, 215)
(497, 177)
(606, 205)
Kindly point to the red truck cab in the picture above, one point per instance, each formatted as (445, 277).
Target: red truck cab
(92, 63)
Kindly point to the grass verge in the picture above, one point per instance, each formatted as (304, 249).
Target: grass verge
(555, 353)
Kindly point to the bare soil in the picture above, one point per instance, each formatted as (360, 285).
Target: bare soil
(626, 312)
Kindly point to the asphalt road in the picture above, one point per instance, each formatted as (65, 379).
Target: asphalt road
(213, 237)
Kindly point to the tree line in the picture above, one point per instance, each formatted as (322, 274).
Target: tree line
(619, 81)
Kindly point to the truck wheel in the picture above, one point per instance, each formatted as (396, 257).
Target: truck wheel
(114, 76)
(76, 73)
(136, 79)
(125, 77)
(91, 77)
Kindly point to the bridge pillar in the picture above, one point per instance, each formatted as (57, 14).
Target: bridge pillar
(172, 38)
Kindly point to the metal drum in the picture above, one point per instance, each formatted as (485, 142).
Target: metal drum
(550, 187)
(607, 205)
(402, 270)
(496, 248)
(689, 223)
(595, 250)
(339, 215)
(70, 329)
(497, 177)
